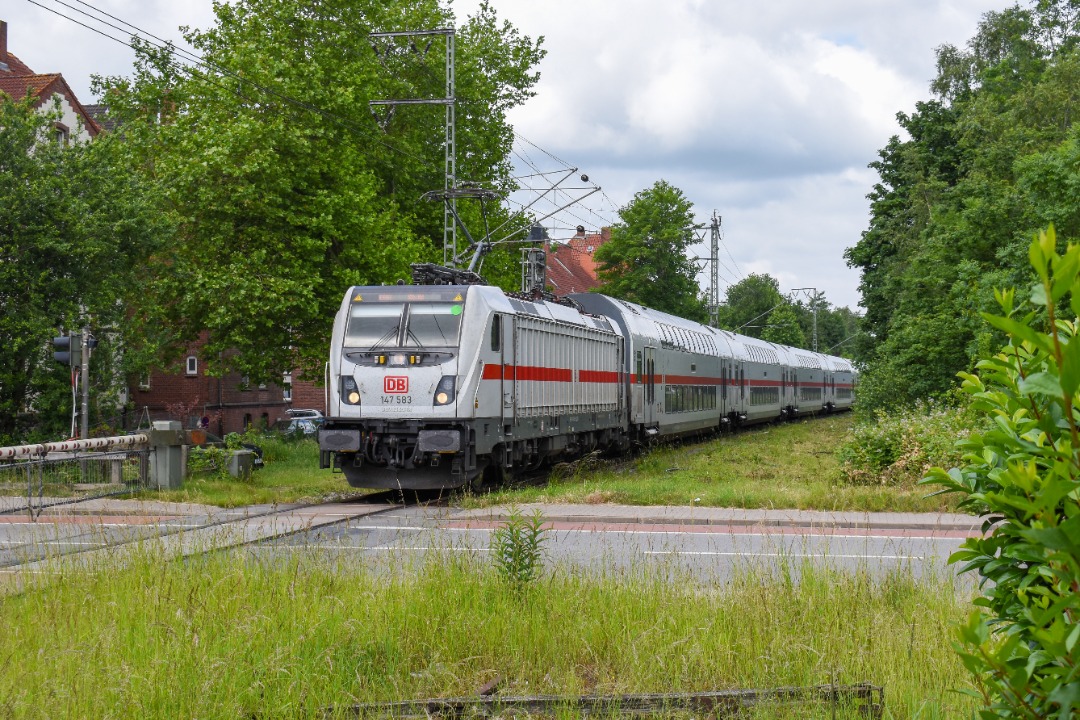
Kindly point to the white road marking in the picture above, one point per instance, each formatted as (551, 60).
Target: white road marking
(783, 554)
(670, 532)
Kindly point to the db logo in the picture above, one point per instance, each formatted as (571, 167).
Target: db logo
(396, 384)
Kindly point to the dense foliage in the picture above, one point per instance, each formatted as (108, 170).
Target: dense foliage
(76, 227)
(646, 260)
(990, 159)
(1023, 476)
(283, 187)
(898, 448)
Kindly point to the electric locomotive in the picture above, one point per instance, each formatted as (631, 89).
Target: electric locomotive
(439, 386)
(434, 386)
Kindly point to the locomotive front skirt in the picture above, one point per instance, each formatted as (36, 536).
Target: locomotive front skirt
(442, 386)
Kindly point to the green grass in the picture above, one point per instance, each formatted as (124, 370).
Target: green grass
(291, 474)
(790, 465)
(228, 636)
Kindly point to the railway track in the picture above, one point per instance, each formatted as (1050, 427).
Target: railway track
(113, 526)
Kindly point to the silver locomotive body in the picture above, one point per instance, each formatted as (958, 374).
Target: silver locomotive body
(433, 386)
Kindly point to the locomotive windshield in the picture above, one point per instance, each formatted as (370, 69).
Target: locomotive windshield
(409, 325)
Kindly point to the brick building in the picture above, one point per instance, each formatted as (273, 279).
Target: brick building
(228, 404)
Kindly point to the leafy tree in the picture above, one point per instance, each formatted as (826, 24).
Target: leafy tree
(283, 188)
(76, 227)
(748, 303)
(989, 160)
(782, 326)
(1023, 477)
(646, 259)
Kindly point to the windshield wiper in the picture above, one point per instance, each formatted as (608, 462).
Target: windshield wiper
(392, 333)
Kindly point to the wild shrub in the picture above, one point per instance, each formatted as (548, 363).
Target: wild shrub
(517, 548)
(1022, 474)
(898, 448)
(209, 462)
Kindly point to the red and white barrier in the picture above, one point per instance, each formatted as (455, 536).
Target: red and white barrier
(125, 441)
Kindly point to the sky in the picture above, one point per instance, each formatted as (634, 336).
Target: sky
(766, 113)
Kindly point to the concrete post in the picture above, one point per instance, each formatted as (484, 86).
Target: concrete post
(166, 440)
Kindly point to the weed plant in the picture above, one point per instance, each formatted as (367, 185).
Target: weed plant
(517, 548)
(220, 636)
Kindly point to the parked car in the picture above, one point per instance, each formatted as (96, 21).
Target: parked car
(298, 426)
(301, 413)
(300, 422)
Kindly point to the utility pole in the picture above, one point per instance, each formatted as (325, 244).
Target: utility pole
(811, 295)
(714, 268)
(84, 415)
(714, 277)
(450, 160)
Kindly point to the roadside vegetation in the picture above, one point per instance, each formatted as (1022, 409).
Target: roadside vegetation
(231, 636)
(807, 465)
(290, 474)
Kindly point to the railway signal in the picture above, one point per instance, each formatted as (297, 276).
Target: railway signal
(67, 350)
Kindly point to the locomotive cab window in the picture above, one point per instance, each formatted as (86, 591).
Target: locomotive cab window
(374, 325)
(433, 324)
(427, 324)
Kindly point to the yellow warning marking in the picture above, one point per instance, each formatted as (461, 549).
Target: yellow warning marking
(358, 298)
(458, 298)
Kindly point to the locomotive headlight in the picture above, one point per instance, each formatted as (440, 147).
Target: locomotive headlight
(397, 360)
(444, 392)
(350, 392)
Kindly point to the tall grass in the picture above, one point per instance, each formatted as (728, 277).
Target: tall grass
(224, 637)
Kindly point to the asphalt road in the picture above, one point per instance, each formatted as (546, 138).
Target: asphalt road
(705, 542)
(704, 549)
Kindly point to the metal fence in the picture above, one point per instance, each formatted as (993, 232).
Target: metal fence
(35, 477)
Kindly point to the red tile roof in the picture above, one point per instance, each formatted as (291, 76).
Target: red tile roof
(570, 267)
(16, 66)
(17, 80)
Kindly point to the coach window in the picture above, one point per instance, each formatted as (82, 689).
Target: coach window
(640, 371)
(496, 333)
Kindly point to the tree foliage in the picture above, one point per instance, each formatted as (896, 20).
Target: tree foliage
(646, 259)
(988, 160)
(76, 227)
(1023, 477)
(748, 303)
(282, 186)
(754, 306)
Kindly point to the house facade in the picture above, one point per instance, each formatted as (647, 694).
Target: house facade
(220, 404)
(48, 92)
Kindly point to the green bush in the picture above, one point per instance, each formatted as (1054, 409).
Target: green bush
(1023, 475)
(898, 448)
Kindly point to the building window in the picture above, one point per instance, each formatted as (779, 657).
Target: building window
(61, 133)
(286, 393)
(144, 381)
(192, 365)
